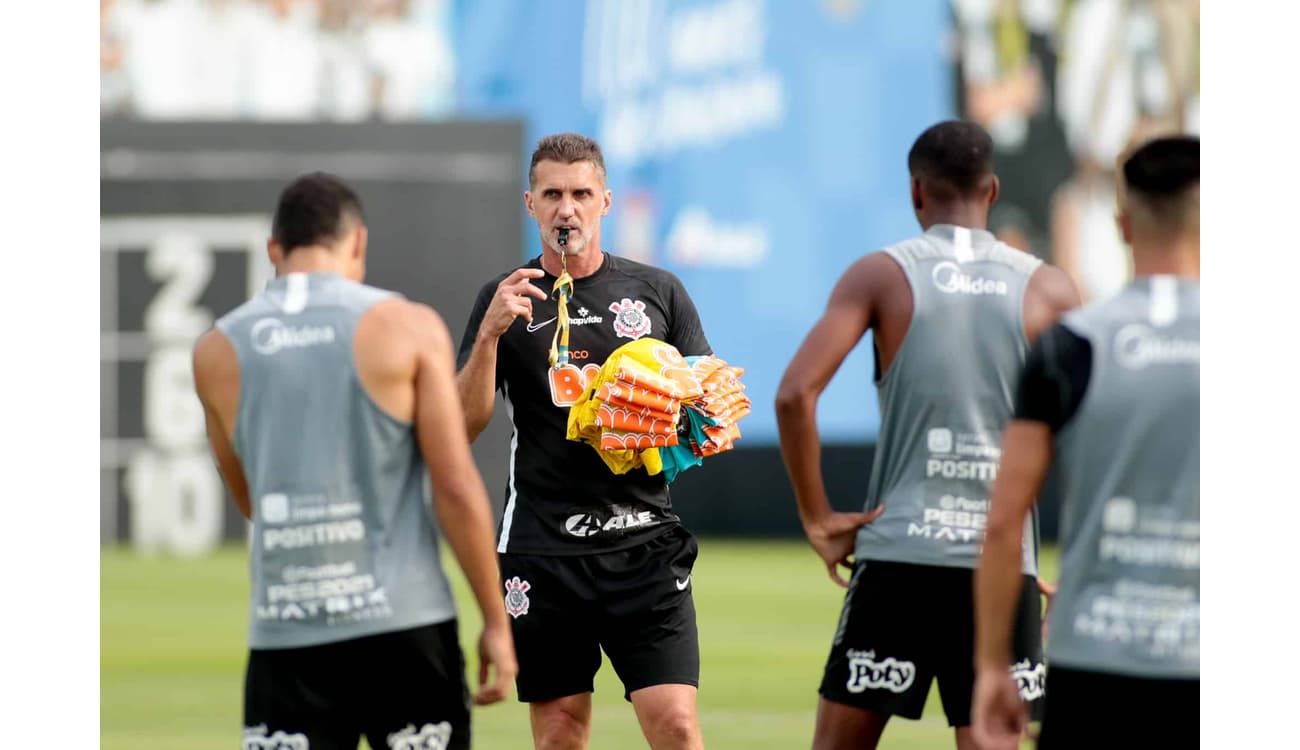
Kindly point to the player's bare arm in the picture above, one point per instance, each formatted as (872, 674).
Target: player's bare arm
(460, 498)
(216, 378)
(476, 382)
(848, 315)
(998, 715)
(1050, 294)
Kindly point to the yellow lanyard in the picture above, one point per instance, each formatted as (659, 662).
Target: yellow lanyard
(563, 289)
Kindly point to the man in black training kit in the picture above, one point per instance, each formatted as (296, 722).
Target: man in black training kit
(589, 559)
(952, 313)
(1111, 396)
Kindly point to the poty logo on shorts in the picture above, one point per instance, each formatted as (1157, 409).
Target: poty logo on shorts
(255, 738)
(1030, 679)
(630, 320)
(430, 737)
(890, 673)
(517, 597)
(270, 335)
(949, 279)
(1137, 346)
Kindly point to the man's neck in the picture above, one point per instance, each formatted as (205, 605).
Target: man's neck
(311, 259)
(958, 215)
(579, 266)
(1173, 256)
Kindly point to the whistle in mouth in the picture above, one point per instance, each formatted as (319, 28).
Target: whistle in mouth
(563, 238)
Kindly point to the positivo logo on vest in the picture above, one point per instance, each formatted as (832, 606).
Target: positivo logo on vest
(955, 469)
(949, 279)
(1138, 345)
(270, 335)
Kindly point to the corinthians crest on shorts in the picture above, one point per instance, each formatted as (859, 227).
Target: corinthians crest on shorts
(517, 597)
(630, 320)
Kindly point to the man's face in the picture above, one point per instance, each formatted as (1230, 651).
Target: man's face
(571, 196)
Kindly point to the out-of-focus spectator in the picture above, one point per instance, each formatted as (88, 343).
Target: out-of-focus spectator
(216, 51)
(159, 66)
(345, 73)
(114, 88)
(285, 61)
(1129, 71)
(1007, 56)
(411, 58)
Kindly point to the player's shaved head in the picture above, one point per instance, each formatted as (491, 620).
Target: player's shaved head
(1161, 187)
(315, 209)
(953, 160)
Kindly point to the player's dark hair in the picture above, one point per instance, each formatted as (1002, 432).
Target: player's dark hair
(314, 209)
(954, 157)
(566, 148)
(1165, 167)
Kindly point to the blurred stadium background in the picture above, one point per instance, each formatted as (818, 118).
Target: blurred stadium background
(755, 148)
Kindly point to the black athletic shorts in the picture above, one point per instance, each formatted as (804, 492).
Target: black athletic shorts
(635, 603)
(1116, 712)
(403, 690)
(903, 625)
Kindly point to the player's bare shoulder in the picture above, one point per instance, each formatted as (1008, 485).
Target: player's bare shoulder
(401, 324)
(869, 277)
(215, 363)
(1049, 294)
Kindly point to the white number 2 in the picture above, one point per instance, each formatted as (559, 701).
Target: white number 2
(184, 264)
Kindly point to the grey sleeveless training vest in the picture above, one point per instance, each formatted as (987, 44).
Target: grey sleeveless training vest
(946, 398)
(1130, 597)
(343, 542)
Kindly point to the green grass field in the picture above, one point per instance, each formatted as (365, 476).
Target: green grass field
(172, 644)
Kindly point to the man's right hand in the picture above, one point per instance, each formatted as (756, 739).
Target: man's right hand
(512, 300)
(833, 535)
(496, 649)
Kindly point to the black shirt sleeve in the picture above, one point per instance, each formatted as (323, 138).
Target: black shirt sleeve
(685, 332)
(471, 327)
(1055, 379)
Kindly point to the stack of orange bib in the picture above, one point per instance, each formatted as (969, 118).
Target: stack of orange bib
(634, 408)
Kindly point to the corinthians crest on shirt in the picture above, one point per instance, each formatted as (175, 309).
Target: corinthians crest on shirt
(517, 597)
(630, 320)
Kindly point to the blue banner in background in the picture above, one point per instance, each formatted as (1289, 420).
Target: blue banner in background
(756, 149)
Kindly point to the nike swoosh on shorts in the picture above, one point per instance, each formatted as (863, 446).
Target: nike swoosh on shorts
(681, 585)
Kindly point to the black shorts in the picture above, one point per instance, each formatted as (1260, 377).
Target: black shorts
(635, 603)
(1093, 709)
(903, 625)
(403, 690)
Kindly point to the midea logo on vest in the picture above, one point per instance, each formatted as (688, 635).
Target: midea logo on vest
(1137, 346)
(270, 335)
(949, 279)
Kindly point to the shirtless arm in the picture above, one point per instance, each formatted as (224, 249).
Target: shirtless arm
(1050, 294)
(460, 498)
(849, 313)
(216, 379)
(997, 712)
